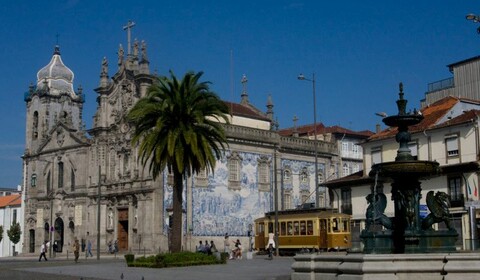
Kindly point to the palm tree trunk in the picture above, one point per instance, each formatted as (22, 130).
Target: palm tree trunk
(176, 236)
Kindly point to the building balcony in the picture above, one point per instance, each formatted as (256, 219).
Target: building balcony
(442, 84)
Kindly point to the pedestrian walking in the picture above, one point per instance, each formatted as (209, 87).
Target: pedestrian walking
(270, 251)
(76, 250)
(115, 246)
(43, 249)
(89, 249)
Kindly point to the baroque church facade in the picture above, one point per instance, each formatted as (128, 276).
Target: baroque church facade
(83, 183)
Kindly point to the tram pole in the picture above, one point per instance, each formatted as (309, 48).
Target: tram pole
(276, 200)
(98, 211)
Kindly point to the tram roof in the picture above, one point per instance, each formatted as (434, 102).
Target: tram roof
(310, 212)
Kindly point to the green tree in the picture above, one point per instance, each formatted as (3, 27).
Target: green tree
(178, 128)
(14, 234)
(1, 233)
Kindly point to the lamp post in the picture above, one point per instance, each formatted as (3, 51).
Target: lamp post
(50, 195)
(52, 224)
(303, 78)
(475, 19)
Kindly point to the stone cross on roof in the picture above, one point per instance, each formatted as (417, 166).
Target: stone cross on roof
(128, 27)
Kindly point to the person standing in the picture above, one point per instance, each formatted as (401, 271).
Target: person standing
(213, 248)
(43, 249)
(226, 244)
(89, 248)
(76, 250)
(55, 249)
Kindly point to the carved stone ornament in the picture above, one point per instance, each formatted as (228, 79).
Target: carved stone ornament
(60, 136)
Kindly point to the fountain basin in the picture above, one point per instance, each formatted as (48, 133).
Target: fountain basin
(402, 169)
(402, 120)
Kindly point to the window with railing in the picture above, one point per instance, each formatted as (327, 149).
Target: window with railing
(356, 150)
(263, 174)
(287, 200)
(455, 191)
(234, 161)
(451, 144)
(201, 178)
(345, 148)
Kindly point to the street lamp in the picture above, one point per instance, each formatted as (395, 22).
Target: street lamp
(475, 19)
(302, 77)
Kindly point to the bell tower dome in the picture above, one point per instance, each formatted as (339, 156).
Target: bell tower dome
(52, 100)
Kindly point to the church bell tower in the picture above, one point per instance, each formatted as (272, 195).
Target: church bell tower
(51, 101)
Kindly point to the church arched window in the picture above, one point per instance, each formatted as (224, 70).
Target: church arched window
(33, 180)
(72, 180)
(49, 181)
(35, 125)
(60, 174)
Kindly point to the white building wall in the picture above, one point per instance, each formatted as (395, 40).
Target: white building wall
(6, 218)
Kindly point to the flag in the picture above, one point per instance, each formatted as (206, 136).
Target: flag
(475, 190)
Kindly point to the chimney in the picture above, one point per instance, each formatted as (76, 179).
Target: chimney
(377, 128)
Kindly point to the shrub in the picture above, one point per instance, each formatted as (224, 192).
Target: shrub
(223, 257)
(129, 258)
(174, 260)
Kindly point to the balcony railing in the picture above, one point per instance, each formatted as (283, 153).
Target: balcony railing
(442, 84)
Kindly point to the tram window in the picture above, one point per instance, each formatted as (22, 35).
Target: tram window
(295, 228)
(335, 225)
(283, 228)
(260, 227)
(290, 228)
(346, 225)
(309, 227)
(270, 227)
(303, 229)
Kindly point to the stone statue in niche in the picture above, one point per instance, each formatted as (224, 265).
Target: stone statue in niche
(110, 219)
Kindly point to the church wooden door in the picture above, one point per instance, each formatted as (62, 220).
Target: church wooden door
(122, 229)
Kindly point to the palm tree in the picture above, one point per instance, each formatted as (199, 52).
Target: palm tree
(178, 128)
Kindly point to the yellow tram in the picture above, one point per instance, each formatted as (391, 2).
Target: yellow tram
(318, 229)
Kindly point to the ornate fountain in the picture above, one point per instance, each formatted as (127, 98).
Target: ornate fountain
(406, 232)
(405, 246)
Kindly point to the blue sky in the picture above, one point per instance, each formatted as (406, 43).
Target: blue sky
(358, 50)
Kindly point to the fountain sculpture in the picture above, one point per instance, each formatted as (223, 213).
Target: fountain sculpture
(406, 232)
